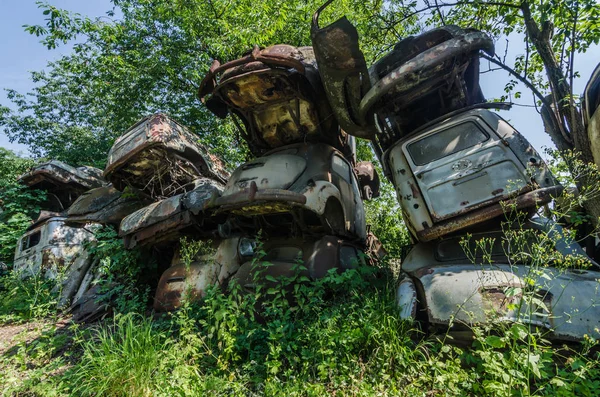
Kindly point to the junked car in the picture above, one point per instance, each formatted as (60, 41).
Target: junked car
(425, 77)
(421, 79)
(289, 257)
(591, 114)
(167, 220)
(105, 205)
(454, 283)
(458, 170)
(276, 98)
(54, 250)
(63, 184)
(190, 281)
(159, 158)
(300, 188)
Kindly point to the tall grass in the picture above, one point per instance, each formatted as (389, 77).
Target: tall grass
(337, 336)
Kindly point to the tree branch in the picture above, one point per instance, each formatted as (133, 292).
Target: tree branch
(534, 90)
(518, 76)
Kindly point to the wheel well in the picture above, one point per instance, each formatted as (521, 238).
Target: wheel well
(334, 218)
(422, 317)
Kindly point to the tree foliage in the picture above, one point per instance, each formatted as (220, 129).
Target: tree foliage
(17, 204)
(151, 57)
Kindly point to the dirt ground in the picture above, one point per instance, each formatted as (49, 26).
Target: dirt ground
(12, 334)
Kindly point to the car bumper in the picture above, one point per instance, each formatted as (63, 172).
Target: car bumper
(526, 200)
(252, 201)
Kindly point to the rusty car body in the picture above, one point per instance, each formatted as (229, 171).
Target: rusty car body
(63, 184)
(159, 158)
(421, 79)
(450, 288)
(297, 257)
(105, 205)
(344, 72)
(55, 250)
(276, 98)
(459, 171)
(166, 220)
(191, 281)
(424, 78)
(300, 188)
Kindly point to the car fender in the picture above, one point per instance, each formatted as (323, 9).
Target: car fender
(317, 196)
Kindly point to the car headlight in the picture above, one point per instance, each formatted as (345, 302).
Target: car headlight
(246, 247)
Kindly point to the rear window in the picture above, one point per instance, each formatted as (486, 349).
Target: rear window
(341, 167)
(446, 142)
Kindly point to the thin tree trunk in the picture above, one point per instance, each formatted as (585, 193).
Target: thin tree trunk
(567, 117)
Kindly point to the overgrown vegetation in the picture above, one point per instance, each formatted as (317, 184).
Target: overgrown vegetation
(17, 204)
(26, 299)
(123, 275)
(338, 335)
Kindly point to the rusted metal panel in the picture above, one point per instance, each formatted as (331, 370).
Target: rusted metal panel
(344, 72)
(368, 179)
(160, 158)
(167, 220)
(283, 256)
(62, 182)
(94, 304)
(299, 179)
(190, 283)
(55, 251)
(423, 78)
(105, 205)
(454, 174)
(277, 94)
(532, 199)
(455, 291)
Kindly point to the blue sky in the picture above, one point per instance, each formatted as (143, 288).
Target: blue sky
(22, 53)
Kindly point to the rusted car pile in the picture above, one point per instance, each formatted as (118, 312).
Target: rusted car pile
(456, 166)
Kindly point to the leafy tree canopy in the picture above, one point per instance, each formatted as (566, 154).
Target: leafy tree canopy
(152, 58)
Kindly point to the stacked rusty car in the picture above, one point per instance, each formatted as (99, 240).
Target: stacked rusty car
(461, 172)
(302, 190)
(157, 179)
(51, 247)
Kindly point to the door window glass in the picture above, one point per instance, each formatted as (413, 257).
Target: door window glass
(31, 241)
(341, 167)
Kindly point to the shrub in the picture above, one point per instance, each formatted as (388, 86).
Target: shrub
(24, 299)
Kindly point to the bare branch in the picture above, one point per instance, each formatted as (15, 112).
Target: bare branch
(437, 7)
(518, 77)
(527, 52)
(572, 54)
